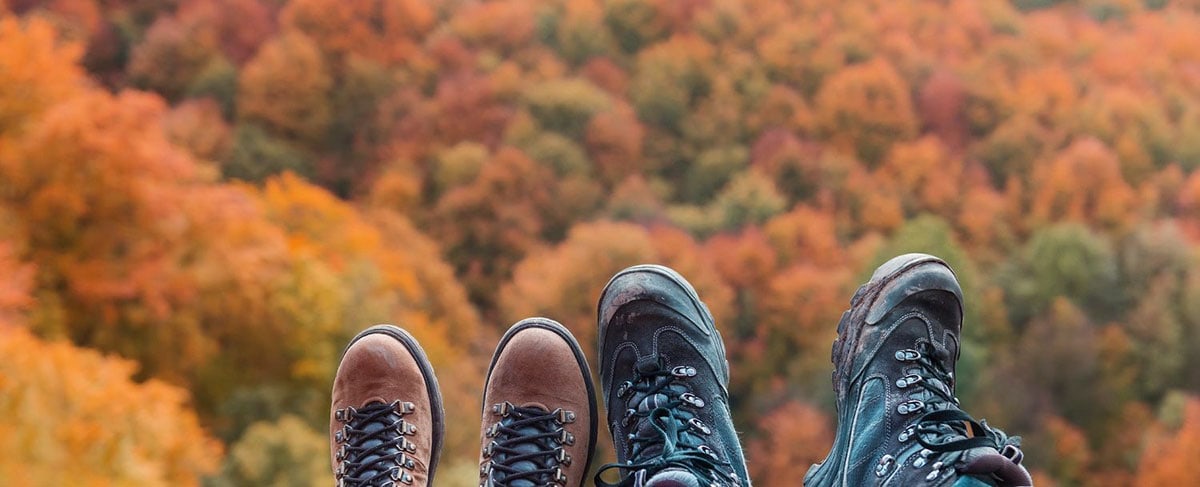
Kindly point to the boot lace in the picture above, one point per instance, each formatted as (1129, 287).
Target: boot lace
(943, 429)
(374, 450)
(664, 430)
(527, 447)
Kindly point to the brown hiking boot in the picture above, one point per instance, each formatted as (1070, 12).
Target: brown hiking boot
(386, 422)
(539, 409)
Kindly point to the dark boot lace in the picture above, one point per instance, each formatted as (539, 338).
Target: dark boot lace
(527, 447)
(664, 432)
(944, 432)
(374, 450)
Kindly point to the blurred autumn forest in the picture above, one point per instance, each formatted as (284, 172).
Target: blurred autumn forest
(201, 201)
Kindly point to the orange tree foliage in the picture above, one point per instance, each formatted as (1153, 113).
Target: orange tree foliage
(70, 413)
(14, 287)
(383, 31)
(1055, 141)
(794, 436)
(36, 69)
(864, 109)
(1170, 457)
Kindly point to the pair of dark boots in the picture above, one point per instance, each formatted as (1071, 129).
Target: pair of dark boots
(665, 383)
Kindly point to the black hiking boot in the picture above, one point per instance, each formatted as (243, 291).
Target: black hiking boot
(664, 377)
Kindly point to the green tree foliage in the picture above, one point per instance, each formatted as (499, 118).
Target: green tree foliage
(281, 453)
(565, 106)
(1066, 261)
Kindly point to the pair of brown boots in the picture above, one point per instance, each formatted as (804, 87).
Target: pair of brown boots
(538, 420)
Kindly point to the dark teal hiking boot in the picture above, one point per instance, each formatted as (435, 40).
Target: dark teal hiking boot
(898, 420)
(664, 376)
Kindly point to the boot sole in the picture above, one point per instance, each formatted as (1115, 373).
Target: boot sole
(580, 360)
(437, 412)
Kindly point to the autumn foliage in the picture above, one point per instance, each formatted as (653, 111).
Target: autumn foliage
(201, 201)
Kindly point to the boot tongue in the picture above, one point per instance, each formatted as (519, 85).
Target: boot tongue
(525, 465)
(646, 428)
(673, 478)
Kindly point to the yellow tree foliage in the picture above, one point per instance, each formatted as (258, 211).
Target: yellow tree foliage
(281, 453)
(70, 415)
(379, 269)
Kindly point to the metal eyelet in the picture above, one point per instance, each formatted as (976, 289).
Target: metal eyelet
(909, 407)
(908, 380)
(502, 409)
(908, 355)
(906, 434)
(708, 451)
(923, 458)
(628, 417)
(564, 417)
(559, 476)
(937, 470)
(406, 428)
(699, 426)
(885, 465)
(563, 458)
(1013, 453)
(692, 399)
(566, 438)
(624, 389)
(684, 371)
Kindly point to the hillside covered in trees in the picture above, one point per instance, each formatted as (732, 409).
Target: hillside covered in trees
(201, 201)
